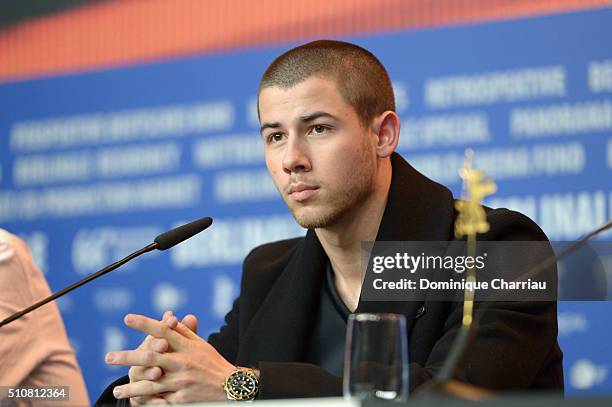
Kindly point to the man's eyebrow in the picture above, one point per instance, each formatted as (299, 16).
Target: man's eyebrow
(274, 125)
(304, 119)
(316, 115)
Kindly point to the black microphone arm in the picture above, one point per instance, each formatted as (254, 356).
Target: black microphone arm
(162, 242)
(462, 341)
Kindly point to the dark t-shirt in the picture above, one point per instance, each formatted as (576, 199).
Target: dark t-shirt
(329, 330)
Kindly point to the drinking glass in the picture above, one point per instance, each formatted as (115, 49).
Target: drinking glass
(376, 357)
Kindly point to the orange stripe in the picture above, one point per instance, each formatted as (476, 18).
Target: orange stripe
(121, 32)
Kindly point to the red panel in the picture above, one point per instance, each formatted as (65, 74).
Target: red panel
(122, 32)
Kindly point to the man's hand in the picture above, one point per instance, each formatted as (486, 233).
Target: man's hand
(192, 369)
(138, 373)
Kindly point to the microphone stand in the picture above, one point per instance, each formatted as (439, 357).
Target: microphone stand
(107, 269)
(162, 242)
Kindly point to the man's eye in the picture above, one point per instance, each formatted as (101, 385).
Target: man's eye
(319, 129)
(274, 138)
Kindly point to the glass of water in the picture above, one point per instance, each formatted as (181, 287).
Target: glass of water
(376, 357)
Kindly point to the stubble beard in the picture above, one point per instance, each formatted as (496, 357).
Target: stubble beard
(335, 211)
(357, 190)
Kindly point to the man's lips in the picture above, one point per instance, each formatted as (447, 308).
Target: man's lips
(301, 192)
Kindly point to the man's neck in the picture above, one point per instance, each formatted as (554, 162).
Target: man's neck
(342, 241)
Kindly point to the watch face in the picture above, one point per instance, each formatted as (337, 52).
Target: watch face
(242, 385)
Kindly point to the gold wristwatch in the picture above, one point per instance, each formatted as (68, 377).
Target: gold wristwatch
(241, 385)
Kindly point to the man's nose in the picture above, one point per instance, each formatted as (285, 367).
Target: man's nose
(296, 157)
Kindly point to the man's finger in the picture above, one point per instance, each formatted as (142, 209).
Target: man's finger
(160, 401)
(139, 401)
(146, 342)
(139, 389)
(159, 345)
(137, 373)
(185, 331)
(191, 322)
(155, 328)
(147, 358)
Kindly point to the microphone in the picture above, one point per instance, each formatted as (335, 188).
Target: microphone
(175, 236)
(162, 242)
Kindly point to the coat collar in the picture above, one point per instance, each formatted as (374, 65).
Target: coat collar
(417, 209)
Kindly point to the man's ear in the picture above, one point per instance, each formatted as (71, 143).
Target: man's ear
(386, 128)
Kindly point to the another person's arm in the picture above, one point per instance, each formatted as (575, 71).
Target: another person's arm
(34, 350)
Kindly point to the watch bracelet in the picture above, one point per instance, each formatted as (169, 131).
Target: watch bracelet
(230, 393)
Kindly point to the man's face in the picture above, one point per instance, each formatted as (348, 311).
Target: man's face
(321, 159)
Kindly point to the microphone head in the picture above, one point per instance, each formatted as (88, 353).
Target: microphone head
(175, 236)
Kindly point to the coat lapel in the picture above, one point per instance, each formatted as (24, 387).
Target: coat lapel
(418, 209)
(286, 316)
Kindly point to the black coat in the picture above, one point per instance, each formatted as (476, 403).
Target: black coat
(268, 327)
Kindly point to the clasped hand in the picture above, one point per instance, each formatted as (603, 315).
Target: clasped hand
(172, 365)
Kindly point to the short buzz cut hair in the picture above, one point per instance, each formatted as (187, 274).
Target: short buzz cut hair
(361, 79)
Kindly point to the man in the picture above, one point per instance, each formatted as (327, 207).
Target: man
(34, 350)
(330, 130)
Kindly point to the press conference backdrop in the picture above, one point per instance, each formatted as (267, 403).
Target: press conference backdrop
(86, 179)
